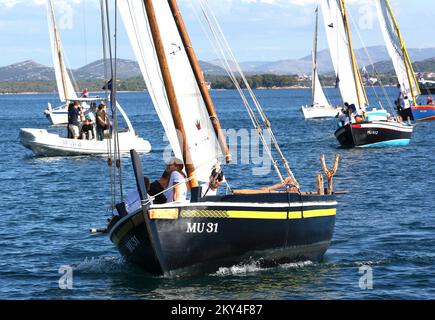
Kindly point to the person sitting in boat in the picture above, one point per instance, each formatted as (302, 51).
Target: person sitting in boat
(215, 180)
(429, 101)
(177, 187)
(87, 130)
(74, 113)
(343, 118)
(157, 188)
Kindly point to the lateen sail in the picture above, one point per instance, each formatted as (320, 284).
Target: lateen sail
(396, 50)
(202, 141)
(340, 53)
(319, 97)
(64, 85)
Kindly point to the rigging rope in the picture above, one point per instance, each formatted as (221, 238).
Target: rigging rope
(224, 50)
(104, 26)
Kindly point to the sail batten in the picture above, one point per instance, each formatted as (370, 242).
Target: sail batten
(202, 142)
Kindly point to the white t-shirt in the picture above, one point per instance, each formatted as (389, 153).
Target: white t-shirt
(176, 178)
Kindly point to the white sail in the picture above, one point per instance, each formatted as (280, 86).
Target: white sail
(391, 34)
(201, 139)
(319, 97)
(338, 43)
(64, 85)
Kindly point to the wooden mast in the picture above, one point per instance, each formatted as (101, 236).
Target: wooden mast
(170, 91)
(199, 78)
(59, 54)
(356, 73)
(407, 61)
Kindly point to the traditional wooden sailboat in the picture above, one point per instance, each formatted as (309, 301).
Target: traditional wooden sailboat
(204, 233)
(320, 106)
(366, 128)
(407, 80)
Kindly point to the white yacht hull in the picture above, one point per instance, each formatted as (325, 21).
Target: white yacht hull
(319, 112)
(43, 143)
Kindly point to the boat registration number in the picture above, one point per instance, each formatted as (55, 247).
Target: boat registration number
(202, 227)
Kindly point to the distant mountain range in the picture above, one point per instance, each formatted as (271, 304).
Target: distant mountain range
(32, 71)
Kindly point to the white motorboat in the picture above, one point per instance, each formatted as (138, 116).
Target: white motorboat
(44, 143)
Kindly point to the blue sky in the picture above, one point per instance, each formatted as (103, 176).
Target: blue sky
(257, 30)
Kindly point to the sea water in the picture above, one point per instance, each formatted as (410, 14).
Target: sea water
(383, 245)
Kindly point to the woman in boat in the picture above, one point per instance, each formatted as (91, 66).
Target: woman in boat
(177, 185)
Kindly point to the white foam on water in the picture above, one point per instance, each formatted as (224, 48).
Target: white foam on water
(104, 264)
(254, 266)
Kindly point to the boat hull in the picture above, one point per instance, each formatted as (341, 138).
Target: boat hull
(43, 143)
(423, 113)
(374, 134)
(204, 237)
(319, 112)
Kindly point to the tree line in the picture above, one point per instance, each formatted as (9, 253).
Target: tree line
(217, 82)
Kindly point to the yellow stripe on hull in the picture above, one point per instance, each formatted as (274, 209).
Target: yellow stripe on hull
(257, 215)
(230, 214)
(272, 215)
